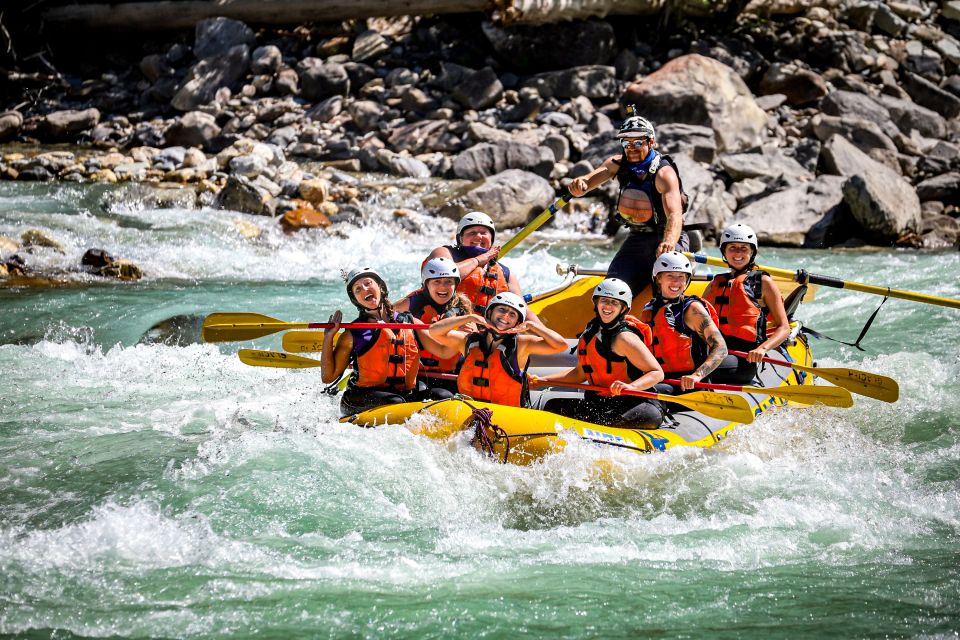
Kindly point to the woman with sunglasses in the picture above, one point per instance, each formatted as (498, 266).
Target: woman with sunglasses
(651, 201)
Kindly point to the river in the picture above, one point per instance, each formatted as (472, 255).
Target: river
(171, 491)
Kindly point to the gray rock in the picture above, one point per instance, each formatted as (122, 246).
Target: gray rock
(10, 123)
(266, 60)
(287, 82)
(479, 89)
(544, 47)
(784, 217)
(155, 66)
(487, 159)
(400, 165)
(193, 129)
(178, 331)
(945, 187)
(883, 203)
(939, 159)
(216, 36)
(592, 81)
(888, 22)
(239, 194)
(748, 189)
(366, 114)
(850, 104)
(909, 116)
(580, 169)
(401, 77)
(369, 45)
(326, 110)
(694, 89)
(799, 85)
(626, 65)
(425, 136)
(556, 119)
(416, 100)
(511, 198)
(319, 80)
(771, 166)
(559, 146)
(864, 134)
(697, 141)
(210, 75)
(931, 96)
(950, 10)
(579, 107)
(62, 124)
(840, 157)
(359, 73)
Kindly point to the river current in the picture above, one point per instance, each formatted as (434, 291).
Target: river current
(149, 490)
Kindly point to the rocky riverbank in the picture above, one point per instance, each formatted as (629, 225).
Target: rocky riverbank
(819, 125)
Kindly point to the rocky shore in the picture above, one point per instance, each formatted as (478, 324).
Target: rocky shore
(825, 125)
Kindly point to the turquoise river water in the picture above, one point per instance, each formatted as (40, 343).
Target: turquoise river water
(171, 491)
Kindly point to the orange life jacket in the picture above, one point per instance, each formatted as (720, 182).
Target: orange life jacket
(421, 307)
(739, 304)
(481, 284)
(492, 375)
(597, 358)
(382, 357)
(678, 348)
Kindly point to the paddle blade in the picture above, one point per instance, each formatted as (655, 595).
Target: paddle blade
(275, 359)
(864, 383)
(303, 341)
(809, 394)
(236, 327)
(723, 406)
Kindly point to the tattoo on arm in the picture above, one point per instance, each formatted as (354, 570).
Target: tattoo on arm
(716, 347)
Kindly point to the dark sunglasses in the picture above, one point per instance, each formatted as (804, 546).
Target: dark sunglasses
(636, 143)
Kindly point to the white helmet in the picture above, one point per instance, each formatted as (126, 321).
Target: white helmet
(672, 261)
(614, 288)
(439, 268)
(356, 274)
(636, 127)
(475, 218)
(739, 232)
(508, 299)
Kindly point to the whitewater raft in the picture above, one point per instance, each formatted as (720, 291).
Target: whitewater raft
(521, 436)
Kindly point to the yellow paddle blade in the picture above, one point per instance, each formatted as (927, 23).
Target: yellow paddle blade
(236, 327)
(864, 383)
(808, 394)
(260, 358)
(304, 341)
(723, 406)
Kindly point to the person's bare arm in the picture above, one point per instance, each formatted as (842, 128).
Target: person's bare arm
(668, 184)
(594, 179)
(773, 301)
(698, 318)
(334, 359)
(631, 346)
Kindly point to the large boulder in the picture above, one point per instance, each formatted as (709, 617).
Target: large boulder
(210, 75)
(785, 217)
(864, 134)
(240, 194)
(10, 123)
(884, 204)
(910, 116)
(482, 160)
(193, 129)
(531, 49)
(694, 89)
(63, 124)
(216, 36)
(402, 165)
(479, 89)
(799, 85)
(769, 166)
(320, 80)
(511, 198)
(592, 81)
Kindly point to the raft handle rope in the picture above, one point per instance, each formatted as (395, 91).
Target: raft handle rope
(863, 332)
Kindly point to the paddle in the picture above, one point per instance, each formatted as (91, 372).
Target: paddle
(236, 327)
(864, 383)
(803, 277)
(261, 358)
(303, 341)
(722, 406)
(536, 223)
(804, 394)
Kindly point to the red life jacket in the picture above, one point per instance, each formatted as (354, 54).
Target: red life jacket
(739, 304)
(595, 352)
(678, 348)
(382, 357)
(492, 375)
(422, 308)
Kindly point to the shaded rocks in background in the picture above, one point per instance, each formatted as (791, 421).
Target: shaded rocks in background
(60, 125)
(195, 128)
(542, 48)
(222, 71)
(217, 36)
(240, 194)
(10, 123)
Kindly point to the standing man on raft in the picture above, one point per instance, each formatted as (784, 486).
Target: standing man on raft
(651, 201)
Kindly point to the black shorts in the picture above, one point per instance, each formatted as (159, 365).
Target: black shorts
(634, 261)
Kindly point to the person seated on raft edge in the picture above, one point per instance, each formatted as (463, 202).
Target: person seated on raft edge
(495, 357)
(482, 277)
(435, 300)
(743, 298)
(613, 352)
(385, 363)
(686, 340)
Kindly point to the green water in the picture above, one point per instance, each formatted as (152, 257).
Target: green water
(165, 491)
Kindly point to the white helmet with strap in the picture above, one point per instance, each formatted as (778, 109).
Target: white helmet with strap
(614, 288)
(672, 262)
(473, 219)
(355, 274)
(636, 127)
(439, 268)
(739, 232)
(508, 299)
